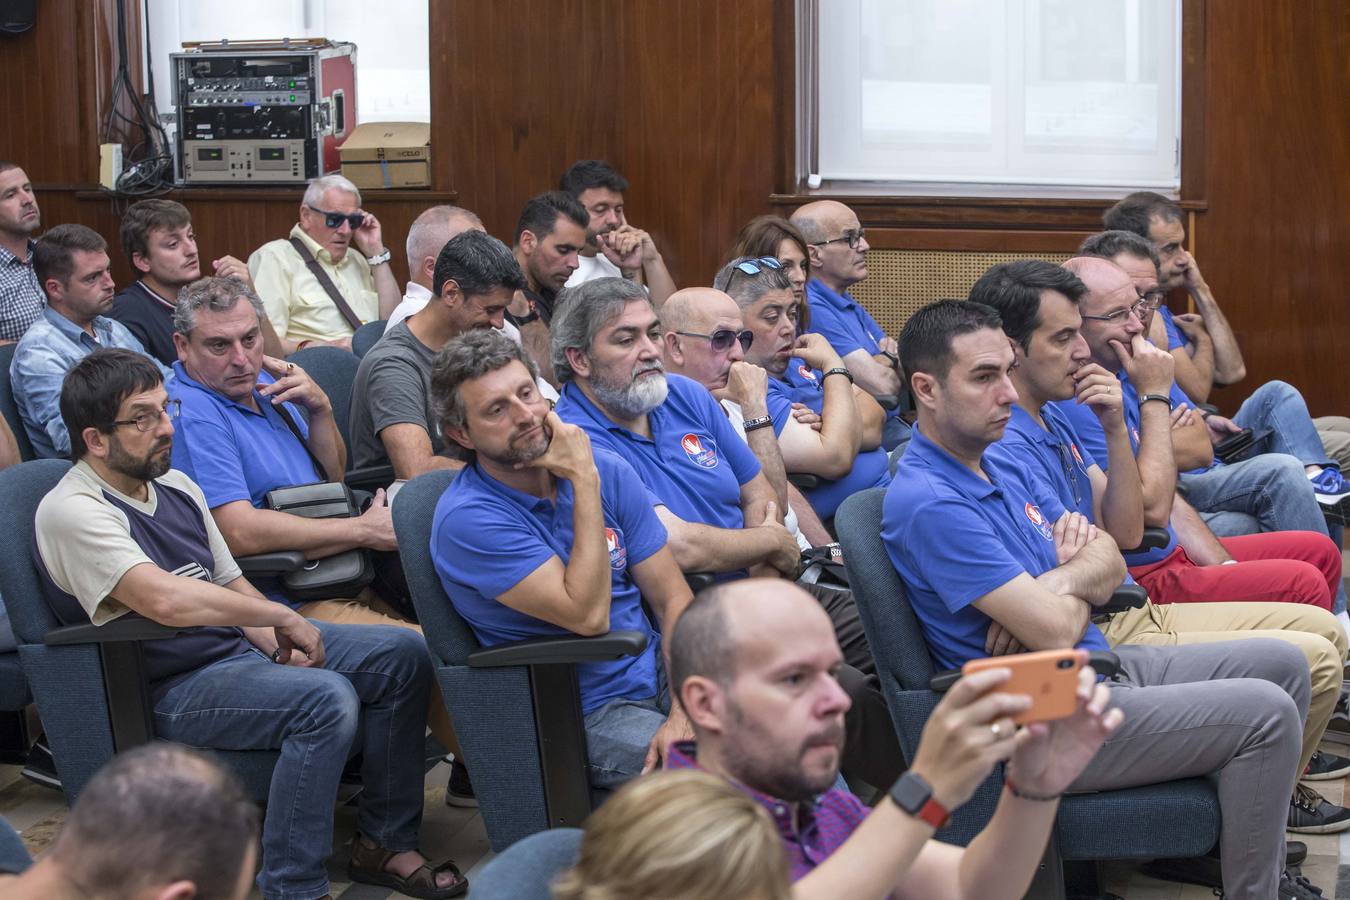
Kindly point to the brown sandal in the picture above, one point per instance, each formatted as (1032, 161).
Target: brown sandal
(367, 866)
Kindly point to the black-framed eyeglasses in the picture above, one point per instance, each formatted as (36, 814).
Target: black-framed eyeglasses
(755, 266)
(722, 339)
(1137, 308)
(148, 420)
(852, 238)
(335, 219)
(1153, 299)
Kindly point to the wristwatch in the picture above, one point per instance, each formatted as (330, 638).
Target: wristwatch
(915, 796)
(760, 422)
(381, 259)
(521, 321)
(1160, 397)
(838, 370)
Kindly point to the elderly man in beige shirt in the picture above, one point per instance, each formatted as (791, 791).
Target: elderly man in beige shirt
(299, 305)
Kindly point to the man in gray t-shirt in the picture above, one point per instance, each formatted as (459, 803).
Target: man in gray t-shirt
(392, 419)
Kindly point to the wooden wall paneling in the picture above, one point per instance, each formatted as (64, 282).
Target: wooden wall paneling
(43, 111)
(1274, 243)
(1193, 71)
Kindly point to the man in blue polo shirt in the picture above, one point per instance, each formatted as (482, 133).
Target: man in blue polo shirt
(1038, 304)
(1270, 491)
(979, 556)
(838, 250)
(845, 452)
(541, 535)
(713, 499)
(250, 424)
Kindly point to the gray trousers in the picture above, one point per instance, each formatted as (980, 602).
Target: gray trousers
(1228, 709)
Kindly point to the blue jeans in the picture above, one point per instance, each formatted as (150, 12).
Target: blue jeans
(1269, 492)
(1280, 407)
(617, 735)
(375, 678)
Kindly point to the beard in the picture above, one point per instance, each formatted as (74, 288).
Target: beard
(525, 451)
(637, 396)
(146, 468)
(762, 762)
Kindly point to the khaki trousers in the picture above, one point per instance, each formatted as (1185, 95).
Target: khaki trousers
(1314, 631)
(369, 609)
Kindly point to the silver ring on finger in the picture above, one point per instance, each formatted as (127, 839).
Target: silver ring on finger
(997, 729)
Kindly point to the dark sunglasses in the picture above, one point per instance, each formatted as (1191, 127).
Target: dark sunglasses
(722, 339)
(335, 219)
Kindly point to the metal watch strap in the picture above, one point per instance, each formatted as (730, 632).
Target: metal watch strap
(838, 370)
(757, 422)
(379, 259)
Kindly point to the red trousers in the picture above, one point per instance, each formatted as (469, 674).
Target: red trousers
(1277, 566)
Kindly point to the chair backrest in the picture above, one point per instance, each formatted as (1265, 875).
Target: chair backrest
(447, 635)
(334, 370)
(22, 488)
(8, 408)
(897, 640)
(366, 337)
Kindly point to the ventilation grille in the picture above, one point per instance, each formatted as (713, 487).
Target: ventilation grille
(899, 282)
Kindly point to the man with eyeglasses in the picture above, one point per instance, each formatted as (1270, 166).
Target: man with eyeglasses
(1282, 594)
(315, 291)
(1275, 409)
(845, 453)
(838, 250)
(71, 263)
(1267, 493)
(123, 532)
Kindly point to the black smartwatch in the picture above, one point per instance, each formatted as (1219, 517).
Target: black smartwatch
(915, 796)
(520, 321)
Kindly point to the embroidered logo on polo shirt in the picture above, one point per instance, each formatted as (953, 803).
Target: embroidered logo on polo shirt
(1034, 514)
(618, 555)
(694, 448)
(806, 372)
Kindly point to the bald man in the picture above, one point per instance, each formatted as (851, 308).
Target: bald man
(753, 664)
(429, 232)
(1267, 493)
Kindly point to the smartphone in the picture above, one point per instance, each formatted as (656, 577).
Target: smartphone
(1048, 677)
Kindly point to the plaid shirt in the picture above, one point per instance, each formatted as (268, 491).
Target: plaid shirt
(21, 297)
(822, 825)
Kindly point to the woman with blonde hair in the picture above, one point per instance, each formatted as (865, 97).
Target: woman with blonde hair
(678, 834)
(776, 237)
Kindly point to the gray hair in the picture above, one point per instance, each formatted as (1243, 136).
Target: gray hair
(1107, 244)
(214, 294)
(431, 230)
(746, 289)
(581, 312)
(812, 228)
(472, 355)
(317, 187)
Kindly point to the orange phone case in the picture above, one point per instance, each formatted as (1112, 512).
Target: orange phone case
(1043, 676)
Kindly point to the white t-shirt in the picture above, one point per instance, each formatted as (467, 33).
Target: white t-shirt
(592, 267)
(733, 411)
(417, 297)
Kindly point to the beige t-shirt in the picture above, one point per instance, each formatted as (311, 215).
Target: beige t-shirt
(86, 544)
(299, 307)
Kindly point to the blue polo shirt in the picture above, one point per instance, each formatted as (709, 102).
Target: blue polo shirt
(1092, 440)
(236, 453)
(487, 537)
(803, 384)
(1175, 336)
(842, 320)
(954, 537)
(1058, 460)
(694, 463)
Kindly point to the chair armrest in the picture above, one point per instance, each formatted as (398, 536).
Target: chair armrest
(1104, 661)
(278, 562)
(697, 581)
(552, 650)
(1154, 539)
(1127, 596)
(125, 628)
(887, 402)
(369, 477)
(803, 481)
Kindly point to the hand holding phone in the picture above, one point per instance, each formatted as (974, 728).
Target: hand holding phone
(1048, 677)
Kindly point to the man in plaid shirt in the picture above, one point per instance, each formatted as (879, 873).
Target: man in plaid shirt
(21, 298)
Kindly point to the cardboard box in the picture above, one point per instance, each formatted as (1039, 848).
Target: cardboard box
(388, 155)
